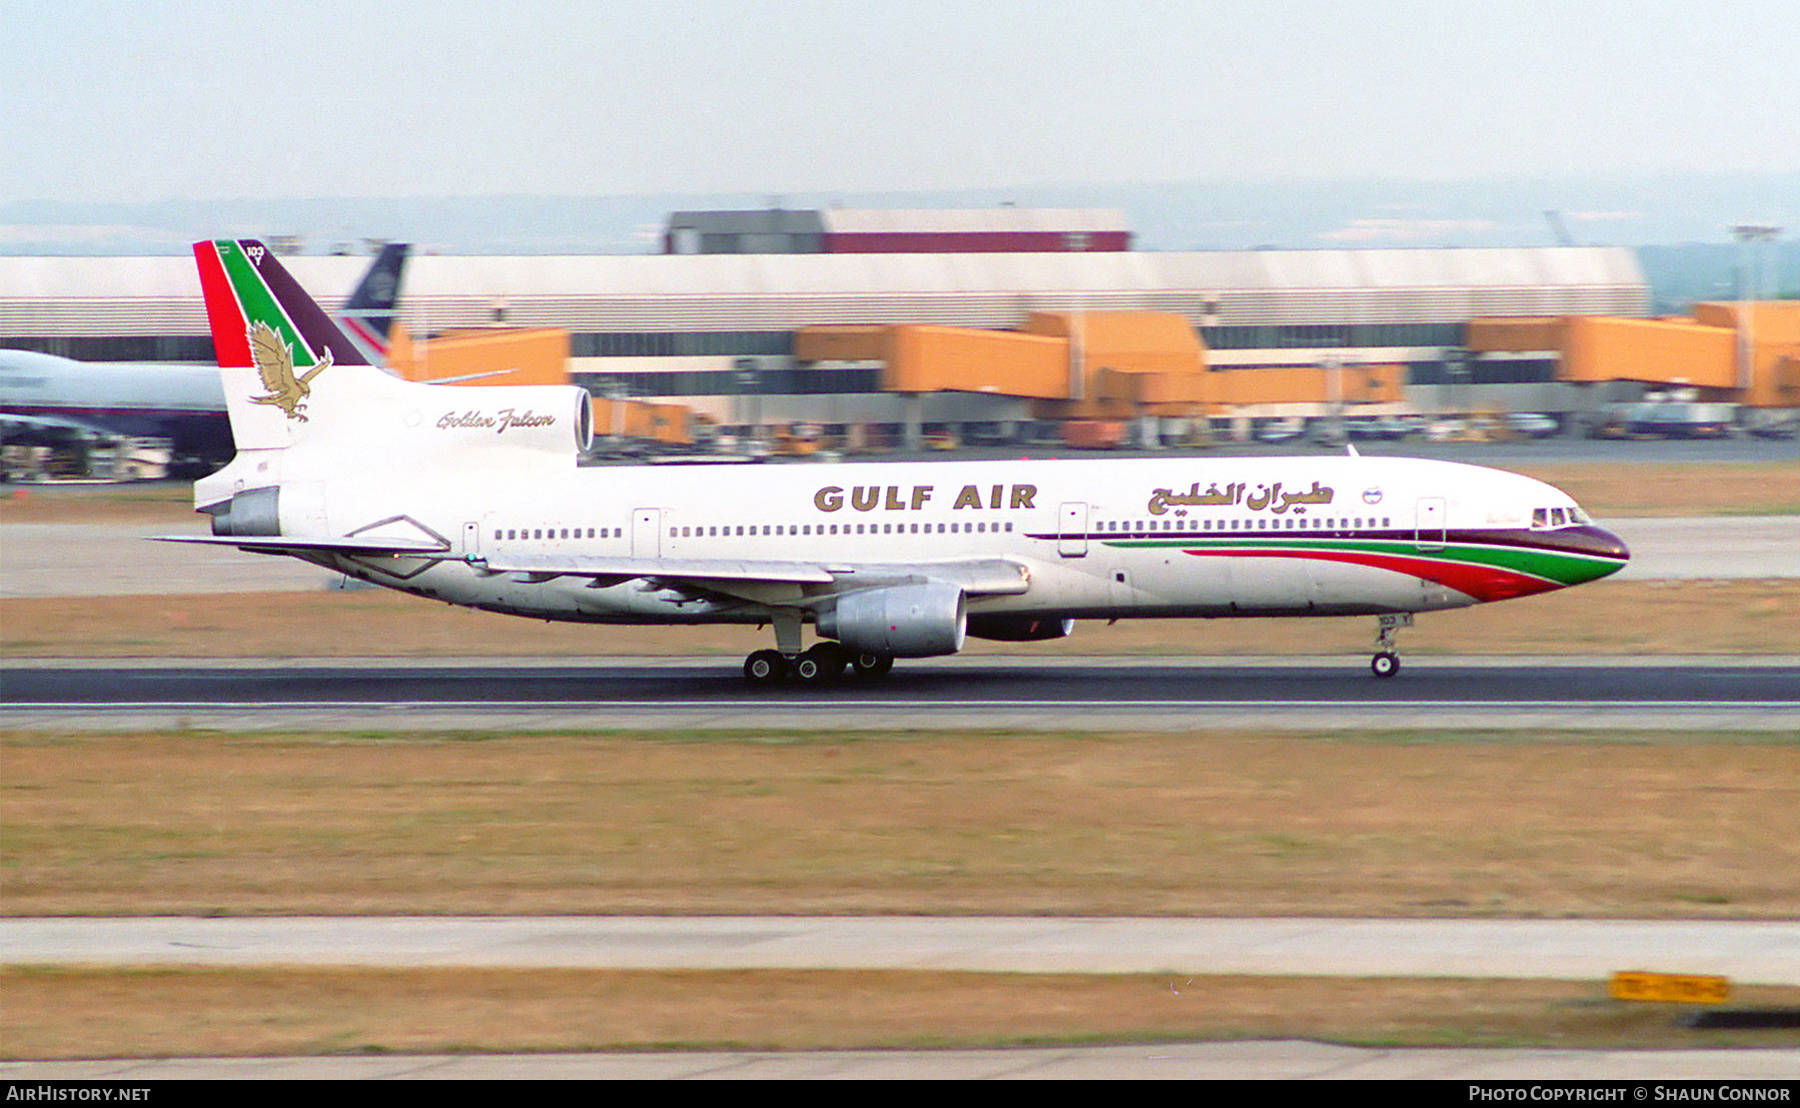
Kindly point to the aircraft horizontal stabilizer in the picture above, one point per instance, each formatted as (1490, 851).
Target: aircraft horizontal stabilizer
(277, 544)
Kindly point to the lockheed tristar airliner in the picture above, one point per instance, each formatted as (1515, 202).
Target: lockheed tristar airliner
(476, 497)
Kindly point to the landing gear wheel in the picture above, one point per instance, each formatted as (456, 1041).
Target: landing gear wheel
(1386, 661)
(765, 667)
(871, 665)
(821, 665)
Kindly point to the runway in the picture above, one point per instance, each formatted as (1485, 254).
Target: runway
(962, 692)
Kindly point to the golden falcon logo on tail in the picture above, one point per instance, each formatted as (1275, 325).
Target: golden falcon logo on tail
(275, 363)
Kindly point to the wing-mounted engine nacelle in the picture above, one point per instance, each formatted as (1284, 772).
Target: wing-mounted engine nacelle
(903, 621)
(1008, 627)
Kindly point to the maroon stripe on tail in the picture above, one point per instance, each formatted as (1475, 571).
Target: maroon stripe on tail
(316, 327)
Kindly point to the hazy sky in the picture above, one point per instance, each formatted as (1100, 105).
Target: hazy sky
(143, 100)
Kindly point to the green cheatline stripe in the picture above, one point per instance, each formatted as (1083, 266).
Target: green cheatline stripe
(1564, 568)
(259, 303)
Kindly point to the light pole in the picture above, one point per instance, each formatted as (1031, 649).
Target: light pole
(1748, 236)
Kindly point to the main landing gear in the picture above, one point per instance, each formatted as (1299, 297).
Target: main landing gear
(824, 664)
(1386, 661)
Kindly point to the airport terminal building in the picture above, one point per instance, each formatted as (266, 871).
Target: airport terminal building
(723, 314)
(947, 318)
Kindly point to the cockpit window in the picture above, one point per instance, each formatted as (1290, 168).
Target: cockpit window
(1544, 518)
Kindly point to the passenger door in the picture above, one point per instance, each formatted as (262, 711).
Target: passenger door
(1071, 530)
(646, 533)
(1430, 532)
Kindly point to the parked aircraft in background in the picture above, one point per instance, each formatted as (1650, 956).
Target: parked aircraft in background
(475, 497)
(180, 402)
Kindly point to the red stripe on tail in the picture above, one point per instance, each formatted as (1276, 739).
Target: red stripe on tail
(230, 332)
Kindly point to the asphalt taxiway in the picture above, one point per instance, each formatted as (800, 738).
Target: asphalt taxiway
(1748, 952)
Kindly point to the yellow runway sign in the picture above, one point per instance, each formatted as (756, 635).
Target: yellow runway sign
(1686, 989)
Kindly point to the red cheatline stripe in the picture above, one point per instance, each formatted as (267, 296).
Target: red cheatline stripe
(1483, 582)
(230, 333)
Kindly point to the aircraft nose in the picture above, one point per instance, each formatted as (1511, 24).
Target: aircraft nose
(1598, 543)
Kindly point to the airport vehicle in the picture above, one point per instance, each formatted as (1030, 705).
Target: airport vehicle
(1532, 425)
(477, 498)
(102, 407)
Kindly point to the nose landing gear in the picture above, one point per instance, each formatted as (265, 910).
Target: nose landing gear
(1386, 662)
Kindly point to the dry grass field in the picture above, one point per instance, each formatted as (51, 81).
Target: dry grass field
(51, 1013)
(1506, 825)
(1413, 824)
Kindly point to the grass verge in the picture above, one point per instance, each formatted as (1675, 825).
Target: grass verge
(1397, 824)
(51, 1012)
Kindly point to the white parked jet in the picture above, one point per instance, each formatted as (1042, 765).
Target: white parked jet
(476, 497)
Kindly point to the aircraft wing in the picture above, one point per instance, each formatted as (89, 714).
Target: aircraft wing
(749, 579)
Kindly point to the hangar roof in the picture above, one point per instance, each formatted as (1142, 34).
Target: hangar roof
(747, 292)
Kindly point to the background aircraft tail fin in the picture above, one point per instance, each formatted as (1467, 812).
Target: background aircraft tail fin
(368, 316)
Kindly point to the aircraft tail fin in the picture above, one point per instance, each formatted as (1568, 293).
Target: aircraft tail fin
(272, 341)
(368, 316)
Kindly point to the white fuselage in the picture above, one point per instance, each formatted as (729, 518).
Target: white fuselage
(1098, 538)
